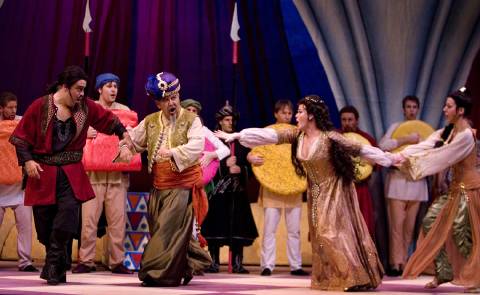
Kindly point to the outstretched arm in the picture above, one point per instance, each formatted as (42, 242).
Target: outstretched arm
(367, 152)
(250, 137)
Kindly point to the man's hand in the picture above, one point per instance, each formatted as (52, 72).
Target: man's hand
(164, 153)
(125, 155)
(207, 158)
(228, 137)
(127, 140)
(232, 160)
(234, 169)
(255, 160)
(91, 133)
(33, 169)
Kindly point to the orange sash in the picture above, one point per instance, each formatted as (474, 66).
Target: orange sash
(190, 178)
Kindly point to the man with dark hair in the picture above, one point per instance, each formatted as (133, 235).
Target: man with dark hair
(403, 195)
(349, 119)
(49, 142)
(229, 220)
(12, 195)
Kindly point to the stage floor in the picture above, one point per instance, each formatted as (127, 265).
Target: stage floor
(281, 282)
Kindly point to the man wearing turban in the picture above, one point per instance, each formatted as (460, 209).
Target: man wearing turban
(174, 140)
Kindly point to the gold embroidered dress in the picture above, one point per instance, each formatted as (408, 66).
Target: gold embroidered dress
(344, 255)
(456, 227)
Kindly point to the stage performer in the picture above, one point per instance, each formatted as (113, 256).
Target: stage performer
(273, 204)
(11, 192)
(174, 140)
(349, 118)
(230, 219)
(110, 189)
(403, 194)
(49, 142)
(452, 224)
(344, 255)
(214, 149)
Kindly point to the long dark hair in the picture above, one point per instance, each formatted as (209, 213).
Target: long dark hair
(462, 100)
(68, 77)
(339, 155)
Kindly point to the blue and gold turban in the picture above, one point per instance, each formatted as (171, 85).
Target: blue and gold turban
(105, 78)
(161, 85)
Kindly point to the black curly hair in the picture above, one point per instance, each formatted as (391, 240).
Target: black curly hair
(340, 155)
(462, 100)
(68, 77)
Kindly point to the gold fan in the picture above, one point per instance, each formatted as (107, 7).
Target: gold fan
(277, 174)
(362, 168)
(408, 127)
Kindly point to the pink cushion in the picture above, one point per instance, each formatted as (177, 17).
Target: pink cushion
(100, 151)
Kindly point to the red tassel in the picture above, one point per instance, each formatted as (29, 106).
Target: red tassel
(202, 241)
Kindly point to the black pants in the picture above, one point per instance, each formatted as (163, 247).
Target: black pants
(56, 224)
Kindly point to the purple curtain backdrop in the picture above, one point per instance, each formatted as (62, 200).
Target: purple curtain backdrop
(51, 37)
(190, 39)
(130, 38)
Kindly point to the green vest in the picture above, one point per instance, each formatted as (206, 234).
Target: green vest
(154, 127)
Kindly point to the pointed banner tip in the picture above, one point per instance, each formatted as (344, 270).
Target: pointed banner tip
(87, 19)
(235, 25)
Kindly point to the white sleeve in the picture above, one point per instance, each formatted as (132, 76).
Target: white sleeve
(387, 143)
(434, 160)
(252, 137)
(221, 149)
(138, 136)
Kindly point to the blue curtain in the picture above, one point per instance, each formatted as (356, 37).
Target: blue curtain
(376, 52)
(277, 61)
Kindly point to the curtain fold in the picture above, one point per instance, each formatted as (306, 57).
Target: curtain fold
(376, 52)
(38, 40)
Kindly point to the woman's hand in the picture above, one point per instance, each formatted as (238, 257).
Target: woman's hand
(228, 137)
(397, 159)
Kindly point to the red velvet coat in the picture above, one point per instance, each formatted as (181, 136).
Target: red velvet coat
(35, 130)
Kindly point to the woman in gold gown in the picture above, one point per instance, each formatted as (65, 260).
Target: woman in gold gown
(452, 224)
(344, 255)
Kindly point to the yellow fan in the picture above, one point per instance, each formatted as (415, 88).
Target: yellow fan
(362, 168)
(409, 127)
(277, 174)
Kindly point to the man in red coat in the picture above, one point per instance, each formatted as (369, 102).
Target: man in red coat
(349, 120)
(49, 142)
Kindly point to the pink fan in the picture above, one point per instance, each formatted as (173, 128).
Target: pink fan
(211, 169)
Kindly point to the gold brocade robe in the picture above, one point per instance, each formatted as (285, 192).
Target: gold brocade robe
(343, 254)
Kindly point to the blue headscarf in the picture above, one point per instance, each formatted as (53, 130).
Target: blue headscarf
(105, 78)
